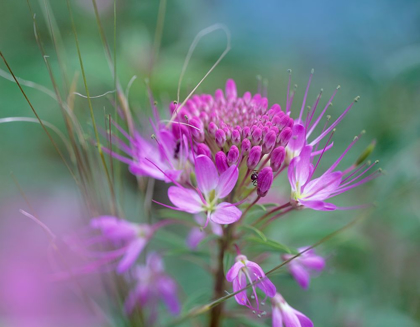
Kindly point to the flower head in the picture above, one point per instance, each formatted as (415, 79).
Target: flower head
(152, 285)
(285, 316)
(211, 188)
(302, 266)
(131, 237)
(234, 123)
(243, 272)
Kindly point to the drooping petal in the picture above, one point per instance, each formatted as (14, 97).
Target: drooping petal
(225, 213)
(301, 276)
(130, 256)
(227, 182)
(114, 228)
(277, 317)
(216, 229)
(186, 199)
(318, 205)
(265, 284)
(168, 292)
(195, 236)
(206, 174)
(314, 262)
(289, 317)
(234, 271)
(239, 283)
(304, 321)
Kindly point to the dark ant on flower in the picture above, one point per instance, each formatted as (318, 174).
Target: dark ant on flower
(254, 177)
(177, 149)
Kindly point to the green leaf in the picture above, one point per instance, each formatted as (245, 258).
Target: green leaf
(256, 231)
(270, 244)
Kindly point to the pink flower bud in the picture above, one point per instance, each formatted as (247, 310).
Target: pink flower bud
(246, 132)
(256, 137)
(264, 181)
(179, 129)
(284, 122)
(173, 106)
(277, 158)
(233, 155)
(221, 162)
(269, 142)
(231, 89)
(228, 133)
(219, 96)
(245, 147)
(236, 137)
(203, 149)
(291, 122)
(196, 126)
(212, 129)
(254, 157)
(285, 136)
(220, 138)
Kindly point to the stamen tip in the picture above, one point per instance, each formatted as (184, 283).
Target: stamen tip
(153, 137)
(363, 132)
(376, 162)
(312, 71)
(289, 71)
(356, 99)
(338, 87)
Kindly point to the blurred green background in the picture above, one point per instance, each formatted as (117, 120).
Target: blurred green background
(370, 48)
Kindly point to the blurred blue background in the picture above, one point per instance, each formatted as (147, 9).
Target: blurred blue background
(370, 48)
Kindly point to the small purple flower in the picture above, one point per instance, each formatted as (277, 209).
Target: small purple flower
(302, 266)
(312, 193)
(211, 188)
(152, 285)
(285, 316)
(264, 181)
(131, 237)
(166, 151)
(243, 272)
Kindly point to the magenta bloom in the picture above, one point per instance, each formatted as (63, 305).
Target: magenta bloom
(312, 193)
(132, 238)
(285, 316)
(152, 285)
(164, 158)
(211, 188)
(244, 272)
(302, 266)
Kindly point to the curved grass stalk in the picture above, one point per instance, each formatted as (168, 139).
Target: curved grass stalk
(49, 125)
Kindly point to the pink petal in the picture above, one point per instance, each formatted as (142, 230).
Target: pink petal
(265, 284)
(206, 174)
(234, 271)
(195, 236)
(304, 321)
(318, 205)
(301, 276)
(321, 188)
(289, 317)
(303, 167)
(315, 262)
(130, 256)
(168, 291)
(114, 228)
(277, 317)
(225, 213)
(186, 199)
(238, 284)
(227, 182)
(298, 139)
(216, 229)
